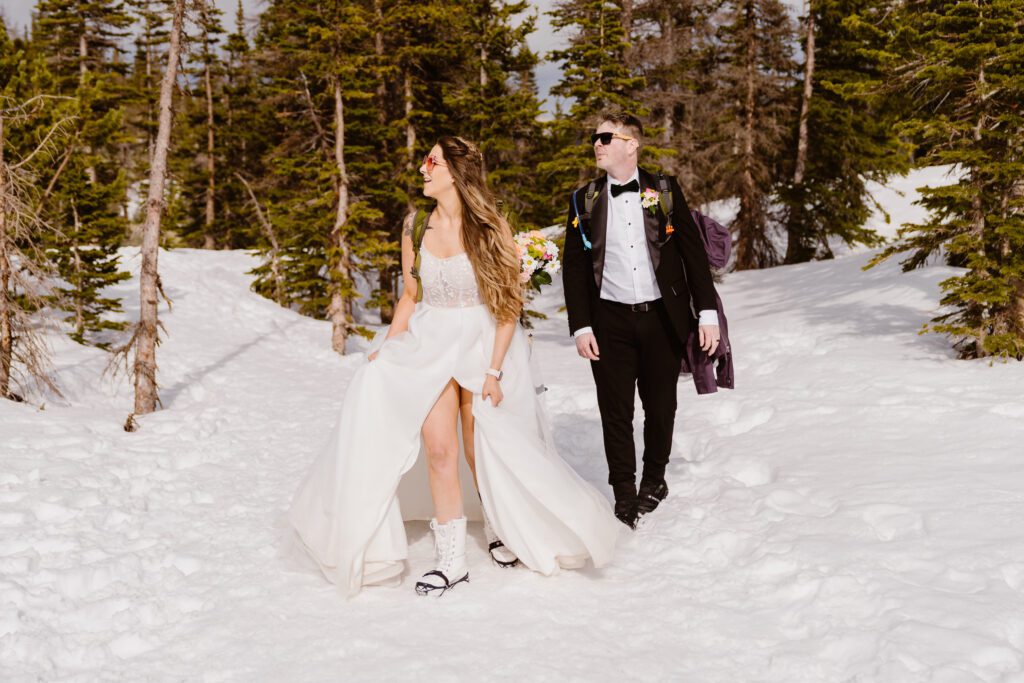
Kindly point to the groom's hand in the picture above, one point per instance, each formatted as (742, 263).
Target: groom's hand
(709, 336)
(586, 346)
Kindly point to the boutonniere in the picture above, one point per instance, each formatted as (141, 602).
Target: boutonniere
(649, 200)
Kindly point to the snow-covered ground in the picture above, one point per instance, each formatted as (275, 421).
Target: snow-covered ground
(853, 511)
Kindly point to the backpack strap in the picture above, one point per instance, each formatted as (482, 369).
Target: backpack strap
(419, 227)
(579, 225)
(591, 196)
(665, 199)
(665, 196)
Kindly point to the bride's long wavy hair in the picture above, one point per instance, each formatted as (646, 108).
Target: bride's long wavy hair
(485, 231)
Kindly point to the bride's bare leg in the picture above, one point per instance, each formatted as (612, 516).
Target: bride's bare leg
(441, 441)
(466, 412)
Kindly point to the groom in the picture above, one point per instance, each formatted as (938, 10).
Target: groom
(633, 278)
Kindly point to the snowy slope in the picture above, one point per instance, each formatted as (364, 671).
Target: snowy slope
(853, 511)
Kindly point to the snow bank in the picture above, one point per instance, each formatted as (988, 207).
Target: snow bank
(851, 512)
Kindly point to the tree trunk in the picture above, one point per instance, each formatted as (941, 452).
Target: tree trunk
(1016, 304)
(77, 256)
(378, 48)
(150, 143)
(146, 335)
(799, 246)
(275, 249)
(805, 105)
(340, 309)
(83, 71)
(410, 136)
(386, 285)
(208, 239)
(385, 278)
(483, 94)
(978, 227)
(600, 44)
(6, 326)
(747, 243)
(627, 28)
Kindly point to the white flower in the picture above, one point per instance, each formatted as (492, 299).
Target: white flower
(649, 198)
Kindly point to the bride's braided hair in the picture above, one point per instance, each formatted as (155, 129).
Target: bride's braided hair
(485, 231)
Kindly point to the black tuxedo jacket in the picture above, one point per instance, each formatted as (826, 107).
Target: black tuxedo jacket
(680, 261)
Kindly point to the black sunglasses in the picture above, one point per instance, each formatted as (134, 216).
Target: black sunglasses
(606, 138)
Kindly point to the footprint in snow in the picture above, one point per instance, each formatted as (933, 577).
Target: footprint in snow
(796, 503)
(891, 522)
(1013, 575)
(750, 419)
(1009, 409)
(750, 472)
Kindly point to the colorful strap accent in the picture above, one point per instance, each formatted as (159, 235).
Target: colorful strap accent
(579, 224)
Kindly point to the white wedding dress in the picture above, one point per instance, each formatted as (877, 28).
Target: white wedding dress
(348, 513)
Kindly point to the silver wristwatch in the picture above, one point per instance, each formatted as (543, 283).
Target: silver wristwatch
(497, 374)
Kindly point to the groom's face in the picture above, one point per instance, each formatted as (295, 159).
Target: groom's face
(618, 152)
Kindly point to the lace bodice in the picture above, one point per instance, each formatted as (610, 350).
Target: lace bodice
(448, 282)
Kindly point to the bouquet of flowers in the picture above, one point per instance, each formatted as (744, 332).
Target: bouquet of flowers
(538, 258)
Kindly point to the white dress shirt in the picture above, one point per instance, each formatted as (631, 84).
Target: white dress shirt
(628, 276)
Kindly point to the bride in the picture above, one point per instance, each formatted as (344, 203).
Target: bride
(454, 350)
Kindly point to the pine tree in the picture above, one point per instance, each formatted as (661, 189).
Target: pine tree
(962, 64)
(199, 152)
(847, 131)
(597, 78)
(674, 49)
(432, 58)
(493, 101)
(427, 73)
(79, 38)
(498, 113)
(756, 109)
(240, 139)
(313, 62)
(365, 89)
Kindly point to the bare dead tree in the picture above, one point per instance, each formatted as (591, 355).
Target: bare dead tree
(146, 336)
(275, 249)
(209, 241)
(25, 269)
(340, 310)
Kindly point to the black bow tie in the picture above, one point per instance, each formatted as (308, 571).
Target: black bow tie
(631, 186)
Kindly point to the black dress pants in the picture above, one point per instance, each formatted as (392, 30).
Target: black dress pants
(638, 350)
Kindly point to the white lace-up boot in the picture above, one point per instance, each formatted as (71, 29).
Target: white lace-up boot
(502, 556)
(450, 555)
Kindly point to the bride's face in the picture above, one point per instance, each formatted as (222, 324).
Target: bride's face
(436, 176)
